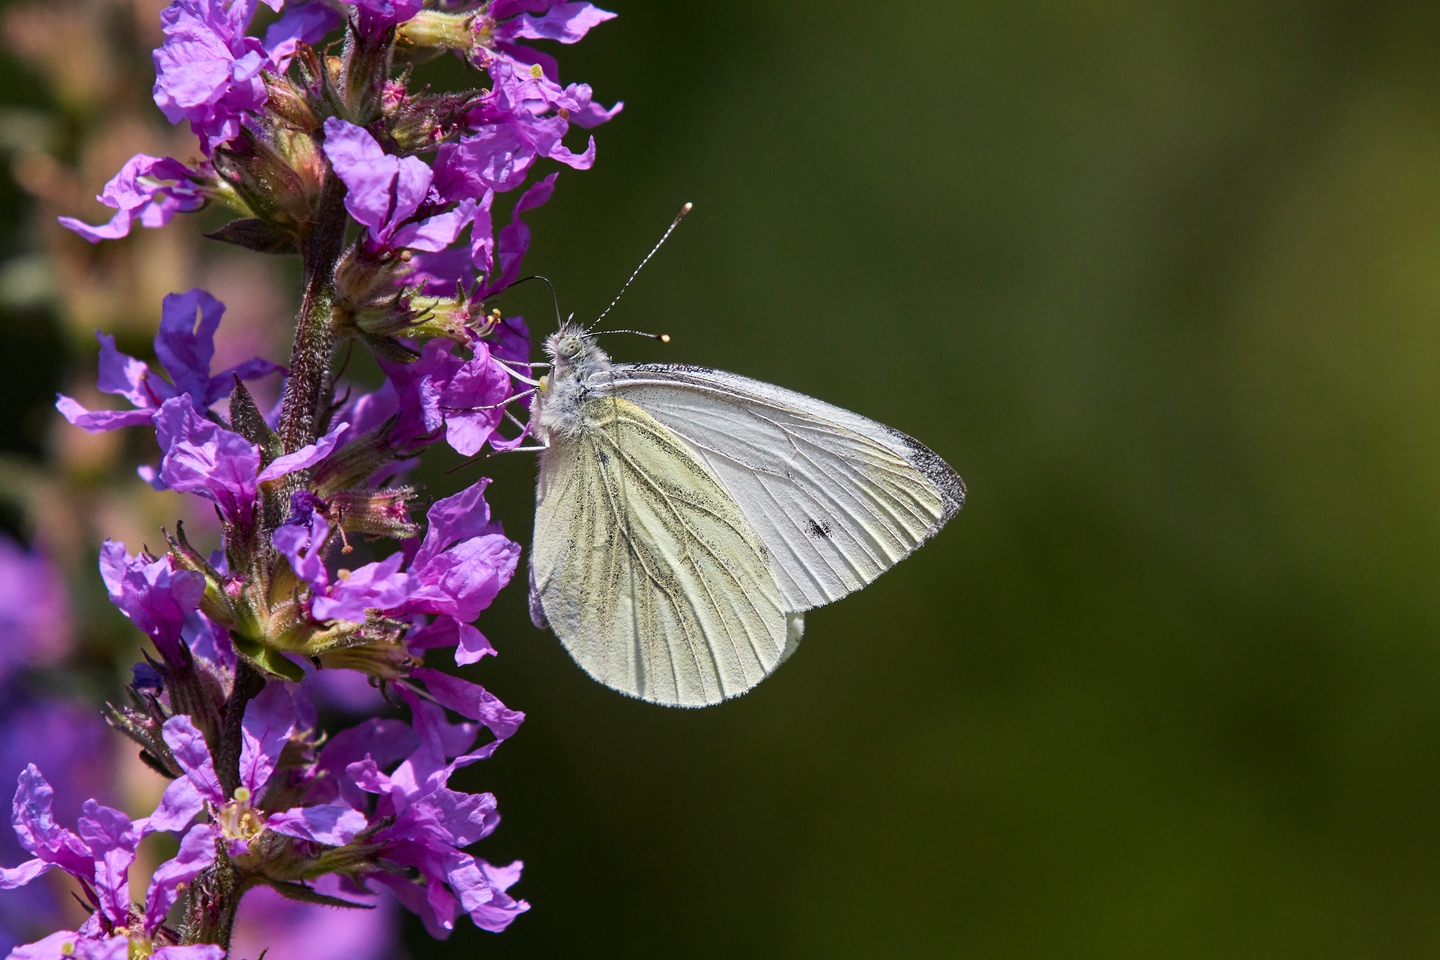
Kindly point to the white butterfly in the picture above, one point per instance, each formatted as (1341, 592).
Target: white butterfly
(686, 518)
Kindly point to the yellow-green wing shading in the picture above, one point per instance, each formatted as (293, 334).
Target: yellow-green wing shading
(645, 567)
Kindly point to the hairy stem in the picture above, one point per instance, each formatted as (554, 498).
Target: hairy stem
(248, 683)
(314, 333)
(217, 891)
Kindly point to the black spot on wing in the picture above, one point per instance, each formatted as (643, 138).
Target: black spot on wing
(819, 529)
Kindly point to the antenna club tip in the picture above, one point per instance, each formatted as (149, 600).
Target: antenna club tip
(688, 207)
(664, 338)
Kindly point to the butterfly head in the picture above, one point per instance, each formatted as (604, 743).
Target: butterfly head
(573, 347)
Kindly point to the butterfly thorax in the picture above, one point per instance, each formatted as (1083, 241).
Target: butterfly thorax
(578, 366)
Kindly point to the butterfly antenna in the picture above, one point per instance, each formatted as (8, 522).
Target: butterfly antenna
(662, 337)
(554, 297)
(666, 236)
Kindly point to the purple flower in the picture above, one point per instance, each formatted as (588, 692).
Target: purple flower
(375, 16)
(509, 20)
(303, 540)
(384, 192)
(138, 192)
(426, 825)
(185, 345)
(99, 855)
(208, 71)
(522, 118)
(441, 391)
(202, 457)
(238, 820)
(152, 593)
(442, 271)
(455, 572)
(463, 561)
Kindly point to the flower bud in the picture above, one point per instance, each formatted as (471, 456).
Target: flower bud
(380, 513)
(384, 658)
(425, 121)
(289, 104)
(278, 177)
(438, 30)
(355, 462)
(362, 75)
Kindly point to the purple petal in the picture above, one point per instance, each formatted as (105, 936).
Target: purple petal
(136, 193)
(366, 775)
(497, 914)
(471, 700)
(385, 741)
(112, 839)
(331, 824)
(464, 580)
(99, 421)
(457, 517)
(303, 544)
(578, 100)
(379, 586)
(566, 22)
(306, 456)
(482, 235)
(186, 344)
(412, 185)
(476, 386)
(193, 754)
(179, 805)
(124, 376)
(197, 852)
(37, 830)
(12, 877)
(515, 238)
(437, 232)
(367, 171)
(382, 190)
(269, 722)
(202, 457)
(471, 645)
(493, 158)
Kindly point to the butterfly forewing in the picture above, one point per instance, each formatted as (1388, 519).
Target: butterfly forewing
(837, 499)
(645, 566)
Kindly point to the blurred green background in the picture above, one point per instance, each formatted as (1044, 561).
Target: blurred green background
(1162, 281)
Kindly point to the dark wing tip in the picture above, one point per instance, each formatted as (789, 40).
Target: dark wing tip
(940, 473)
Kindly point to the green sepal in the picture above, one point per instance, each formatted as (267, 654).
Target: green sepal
(262, 236)
(270, 661)
(303, 894)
